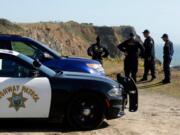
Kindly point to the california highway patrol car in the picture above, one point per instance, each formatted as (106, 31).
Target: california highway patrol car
(30, 90)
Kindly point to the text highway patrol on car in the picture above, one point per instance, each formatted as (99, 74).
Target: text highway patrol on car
(29, 89)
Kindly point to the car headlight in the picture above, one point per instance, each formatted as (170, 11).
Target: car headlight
(97, 67)
(115, 92)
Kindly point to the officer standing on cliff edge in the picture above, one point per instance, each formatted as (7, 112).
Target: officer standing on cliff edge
(149, 56)
(131, 49)
(97, 51)
(167, 58)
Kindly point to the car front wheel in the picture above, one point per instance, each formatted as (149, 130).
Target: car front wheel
(85, 112)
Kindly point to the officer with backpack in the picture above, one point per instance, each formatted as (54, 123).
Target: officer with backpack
(167, 58)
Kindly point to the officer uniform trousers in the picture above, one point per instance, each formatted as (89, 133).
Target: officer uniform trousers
(131, 67)
(149, 65)
(167, 70)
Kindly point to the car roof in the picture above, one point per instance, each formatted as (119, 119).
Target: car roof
(10, 35)
(13, 37)
(9, 52)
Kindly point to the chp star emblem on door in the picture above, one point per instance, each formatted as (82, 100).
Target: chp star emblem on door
(17, 101)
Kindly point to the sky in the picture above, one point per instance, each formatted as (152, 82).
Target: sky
(159, 16)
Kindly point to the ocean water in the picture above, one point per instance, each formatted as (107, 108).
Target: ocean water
(176, 57)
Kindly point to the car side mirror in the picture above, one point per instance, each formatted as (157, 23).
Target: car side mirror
(36, 64)
(47, 56)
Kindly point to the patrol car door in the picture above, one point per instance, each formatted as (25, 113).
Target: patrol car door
(22, 95)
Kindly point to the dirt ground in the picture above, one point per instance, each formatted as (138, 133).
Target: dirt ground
(158, 114)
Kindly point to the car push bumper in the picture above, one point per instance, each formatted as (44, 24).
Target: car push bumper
(130, 92)
(119, 104)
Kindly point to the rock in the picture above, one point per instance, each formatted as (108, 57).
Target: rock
(70, 38)
(7, 27)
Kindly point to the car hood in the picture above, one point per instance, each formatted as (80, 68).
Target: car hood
(80, 59)
(85, 76)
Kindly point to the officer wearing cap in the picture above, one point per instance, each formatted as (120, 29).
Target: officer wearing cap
(167, 58)
(149, 56)
(97, 51)
(131, 49)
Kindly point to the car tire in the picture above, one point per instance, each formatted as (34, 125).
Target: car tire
(85, 112)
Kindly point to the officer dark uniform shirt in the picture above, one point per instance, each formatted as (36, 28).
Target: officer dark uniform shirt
(98, 52)
(168, 53)
(131, 49)
(149, 57)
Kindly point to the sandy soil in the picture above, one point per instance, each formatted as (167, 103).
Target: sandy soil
(159, 114)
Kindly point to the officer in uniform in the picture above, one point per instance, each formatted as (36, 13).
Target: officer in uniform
(97, 51)
(149, 56)
(167, 58)
(131, 49)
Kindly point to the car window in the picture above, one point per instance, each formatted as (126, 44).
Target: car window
(43, 69)
(24, 48)
(30, 50)
(12, 68)
(4, 44)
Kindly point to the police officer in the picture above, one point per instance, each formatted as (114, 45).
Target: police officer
(131, 49)
(167, 58)
(97, 51)
(149, 56)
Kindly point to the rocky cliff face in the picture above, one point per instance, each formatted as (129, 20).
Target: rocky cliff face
(70, 38)
(9, 27)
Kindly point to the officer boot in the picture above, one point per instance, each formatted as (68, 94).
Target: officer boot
(143, 79)
(153, 78)
(166, 81)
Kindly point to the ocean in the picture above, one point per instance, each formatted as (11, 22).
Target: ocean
(176, 57)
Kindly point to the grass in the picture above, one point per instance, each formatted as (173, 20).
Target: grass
(113, 67)
(172, 89)
(23, 48)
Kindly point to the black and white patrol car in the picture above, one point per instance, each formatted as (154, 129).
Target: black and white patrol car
(30, 90)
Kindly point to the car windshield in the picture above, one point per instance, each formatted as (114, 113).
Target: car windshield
(49, 49)
(42, 68)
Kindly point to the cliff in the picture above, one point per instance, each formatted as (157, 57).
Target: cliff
(70, 38)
